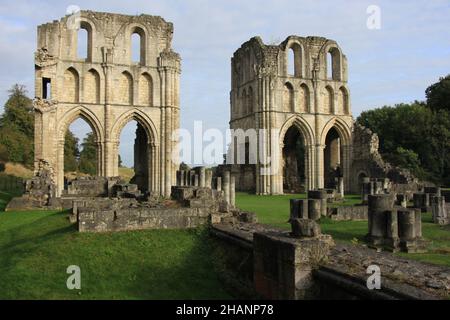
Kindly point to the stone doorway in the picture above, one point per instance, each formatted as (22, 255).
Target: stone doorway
(140, 151)
(333, 158)
(293, 161)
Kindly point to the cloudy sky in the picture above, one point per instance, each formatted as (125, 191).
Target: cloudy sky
(393, 64)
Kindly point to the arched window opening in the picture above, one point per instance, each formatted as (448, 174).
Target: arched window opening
(145, 90)
(333, 158)
(84, 41)
(71, 88)
(138, 46)
(293, 161)
(288, 98)
(133, 156)
(334, 64)
(82, 44)
(291, 62)
(92, 87)
(294, 65)
(329, 66)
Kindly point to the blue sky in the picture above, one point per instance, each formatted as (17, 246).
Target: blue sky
(391, 65)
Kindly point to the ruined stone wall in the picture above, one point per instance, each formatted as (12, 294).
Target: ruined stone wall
(108, 89)
(95, 220)
(342, 275)
(265, 95)
(368, 162)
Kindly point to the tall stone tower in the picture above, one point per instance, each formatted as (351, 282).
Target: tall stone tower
(296, 92)
(108, 89)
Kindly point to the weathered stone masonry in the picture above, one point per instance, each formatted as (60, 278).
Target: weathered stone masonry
(297, 91)
(309, 103)
(107, 90)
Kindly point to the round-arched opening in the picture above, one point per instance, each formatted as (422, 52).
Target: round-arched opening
(333, 59)
(293, 161)
(294, 60)
(84, 41)
(137, 48)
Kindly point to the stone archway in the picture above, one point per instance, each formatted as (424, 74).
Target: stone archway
(294, 160)
(146, 151)
(296, 152)
(71, 116)
(336, 156)
(332, 158)
(111, 89)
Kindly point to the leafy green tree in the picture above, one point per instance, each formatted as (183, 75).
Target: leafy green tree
(438, 94)
(88, 155)
(71, 152)
(413, 136)
(17, 128)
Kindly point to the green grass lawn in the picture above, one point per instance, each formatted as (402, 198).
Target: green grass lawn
(37, 247)
(274, 210)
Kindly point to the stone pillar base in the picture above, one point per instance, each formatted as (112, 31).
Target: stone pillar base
(283, 265)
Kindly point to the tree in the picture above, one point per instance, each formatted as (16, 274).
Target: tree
(438, 94)
(17, 128)
(88, 155)
(71, 152)
(413, 136)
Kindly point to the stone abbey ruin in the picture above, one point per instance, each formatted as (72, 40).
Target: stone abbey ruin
(322, 153)
(107, 89)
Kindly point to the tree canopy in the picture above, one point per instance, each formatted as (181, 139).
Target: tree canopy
(17, 133)
(17, 128)
(416, 136)
(438, 94)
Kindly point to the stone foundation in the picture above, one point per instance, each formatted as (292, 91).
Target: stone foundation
(440, 210)
(94, 220)
(354, 213)
(283, 265)
(394, 228)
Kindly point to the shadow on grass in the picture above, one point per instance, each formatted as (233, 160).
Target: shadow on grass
(191, 277)
(5, 198)
(148, 264)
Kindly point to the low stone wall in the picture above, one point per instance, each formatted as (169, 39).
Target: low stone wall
(343, 274)
(95, 220)
(355, 213)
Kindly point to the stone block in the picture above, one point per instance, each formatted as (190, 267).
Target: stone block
(314, 209)
(304, 228)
